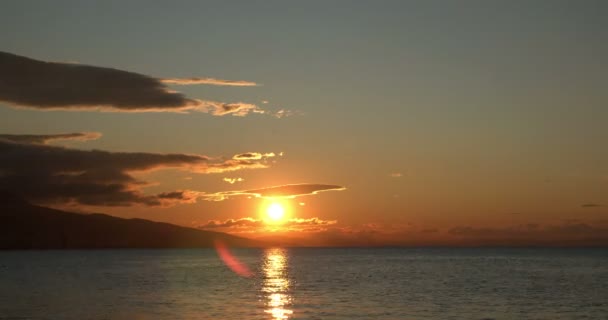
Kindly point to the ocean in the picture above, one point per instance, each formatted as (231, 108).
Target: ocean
(306, 283)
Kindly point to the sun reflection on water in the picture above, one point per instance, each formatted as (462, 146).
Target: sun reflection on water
(276, 286)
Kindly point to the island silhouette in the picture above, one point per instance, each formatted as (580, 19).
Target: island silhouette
(27, 226)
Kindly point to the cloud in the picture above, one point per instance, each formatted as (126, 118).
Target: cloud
(568, 233)
(591, 205)
(284, 191)
(370, 234)
(294, 190)
(238, 109)
(253, 156)
(231, 165)
(43, 139)
(233, 180)
(243, 223)
(311, 221)
(29, 83)
(283, 113)
(52, 174)
(183, 196)
(395, 175)
(517, 230)
(431, 230)
(209, 81)
(373, 234)
(232, 223)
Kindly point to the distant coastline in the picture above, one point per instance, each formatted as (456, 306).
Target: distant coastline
(27, 226)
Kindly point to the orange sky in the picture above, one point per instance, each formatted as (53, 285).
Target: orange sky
(404, 123)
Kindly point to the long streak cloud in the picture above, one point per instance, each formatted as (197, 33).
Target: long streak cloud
(41, 85)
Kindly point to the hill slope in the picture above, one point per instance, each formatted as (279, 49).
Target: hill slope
(25, 226)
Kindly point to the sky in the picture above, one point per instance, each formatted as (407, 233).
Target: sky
(398, 122)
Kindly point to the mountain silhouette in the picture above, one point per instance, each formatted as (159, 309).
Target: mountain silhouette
(27, 226)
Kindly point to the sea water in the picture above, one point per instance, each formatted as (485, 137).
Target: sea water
(306, 283)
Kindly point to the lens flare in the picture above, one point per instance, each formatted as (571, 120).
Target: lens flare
(231, 261)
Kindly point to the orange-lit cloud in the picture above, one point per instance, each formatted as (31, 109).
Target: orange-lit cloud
(29, 83)
(209, 81)
(229, 166)
(238, 109)
(233, 180)
(396, 175)
(255, 224)
(45, 173)
(284, 191)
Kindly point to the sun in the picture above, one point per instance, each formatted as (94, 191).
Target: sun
(275, 211)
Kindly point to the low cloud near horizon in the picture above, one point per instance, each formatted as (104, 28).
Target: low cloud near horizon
(575, 232)
(34, 84)
(253, 225)
(591, 205)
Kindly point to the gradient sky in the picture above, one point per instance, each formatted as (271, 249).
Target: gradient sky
(441, 119)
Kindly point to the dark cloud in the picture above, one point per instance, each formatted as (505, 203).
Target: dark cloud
(43, 139)
(30, 83)
(591, 205)
(253, 156)
(53, 174)
(284, 191)
(181, 196)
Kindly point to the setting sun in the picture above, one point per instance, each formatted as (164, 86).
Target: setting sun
(275, 211)
(380, 160)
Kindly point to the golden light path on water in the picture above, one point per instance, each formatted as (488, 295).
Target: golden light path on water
(276, 286)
